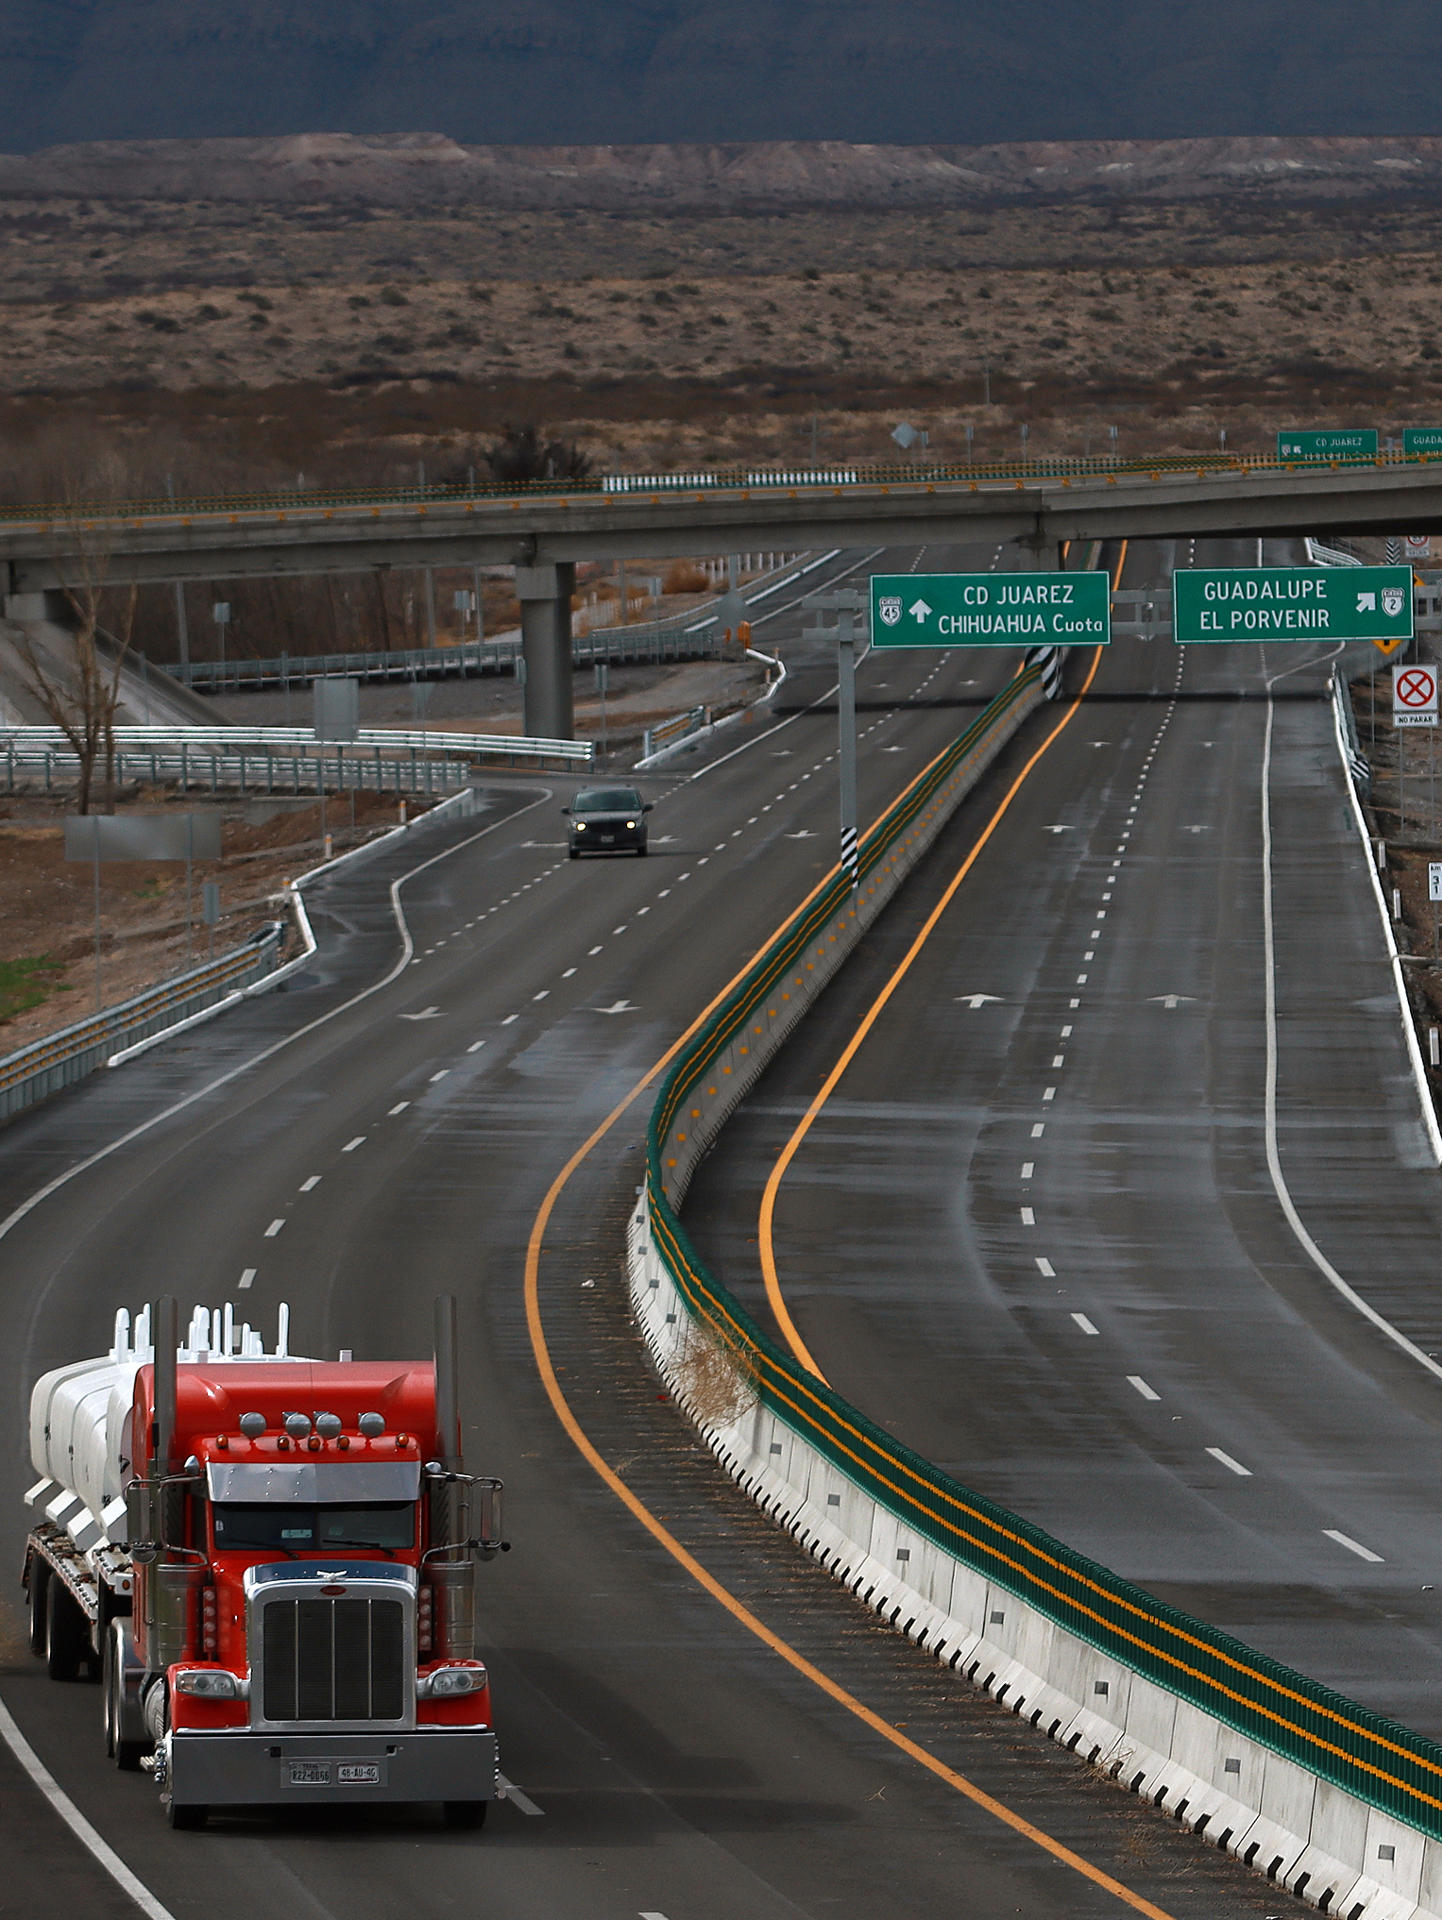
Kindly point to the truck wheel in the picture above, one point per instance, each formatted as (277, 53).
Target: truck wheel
(186, 1819)
(39, 1581)
(66, 1639)
(465, 1815)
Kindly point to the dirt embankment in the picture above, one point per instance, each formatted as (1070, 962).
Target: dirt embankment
(48, 935)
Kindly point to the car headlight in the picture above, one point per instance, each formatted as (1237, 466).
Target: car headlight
(448, 1682)
(579, 825)
(209, 1683)
(630, 823)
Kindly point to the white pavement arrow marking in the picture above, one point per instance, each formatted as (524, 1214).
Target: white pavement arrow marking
(1056, 829)
(804, 834)
(621, 1006)
(426, 1013)
(1171, 1000)
(1196, 829)
(918, 610)
(666, 840)
(544, 846)
(975, 1000)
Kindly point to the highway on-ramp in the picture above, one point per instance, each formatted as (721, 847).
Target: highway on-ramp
(385, 1131)
(1097, 1213)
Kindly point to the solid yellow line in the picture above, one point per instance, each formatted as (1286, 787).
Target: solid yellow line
(766, 1229)
(707, 1581)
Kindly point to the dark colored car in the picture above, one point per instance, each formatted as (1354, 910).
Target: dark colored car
(607, 820)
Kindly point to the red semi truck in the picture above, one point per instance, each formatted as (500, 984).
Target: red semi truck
(270, 1564)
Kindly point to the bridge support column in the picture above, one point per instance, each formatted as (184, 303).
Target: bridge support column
(53, 605)
(545, 597)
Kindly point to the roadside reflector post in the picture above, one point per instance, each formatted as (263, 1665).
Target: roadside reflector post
(1434, 1057)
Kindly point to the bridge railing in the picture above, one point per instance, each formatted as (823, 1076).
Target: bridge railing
(369, 748)
(79, 517)
(614, 646)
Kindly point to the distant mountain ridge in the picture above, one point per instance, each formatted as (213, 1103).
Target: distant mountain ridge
(424, 169)
(511, 72)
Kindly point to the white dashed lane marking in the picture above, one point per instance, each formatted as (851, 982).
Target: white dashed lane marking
(1232, 1466)
(1354, 1546)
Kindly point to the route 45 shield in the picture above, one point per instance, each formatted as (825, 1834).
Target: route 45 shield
(890, 610)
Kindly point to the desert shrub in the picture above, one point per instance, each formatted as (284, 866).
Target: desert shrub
(684, 576)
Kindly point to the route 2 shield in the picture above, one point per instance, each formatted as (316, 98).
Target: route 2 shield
(1414, 696)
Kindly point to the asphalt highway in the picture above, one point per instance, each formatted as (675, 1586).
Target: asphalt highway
(1051, 1229)
(386, 1130)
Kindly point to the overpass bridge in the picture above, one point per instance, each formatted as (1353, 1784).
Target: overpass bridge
(543, 530)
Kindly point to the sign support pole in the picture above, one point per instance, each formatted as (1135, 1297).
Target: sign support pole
(846, 603)
(846, 716)
(95, 841)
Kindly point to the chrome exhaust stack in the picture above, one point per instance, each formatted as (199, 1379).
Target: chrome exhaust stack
(451, 1559)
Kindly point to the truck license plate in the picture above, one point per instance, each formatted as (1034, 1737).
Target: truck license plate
(310, 1773)
(359, 1773)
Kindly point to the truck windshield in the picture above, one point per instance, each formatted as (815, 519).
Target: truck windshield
(387, 1525)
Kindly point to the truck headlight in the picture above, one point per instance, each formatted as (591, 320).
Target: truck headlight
(447, 1682)
(209, 1683)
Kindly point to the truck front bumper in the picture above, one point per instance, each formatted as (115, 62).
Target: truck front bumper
(267, 1769)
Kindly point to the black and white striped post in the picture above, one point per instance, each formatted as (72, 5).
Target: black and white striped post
(846, 604)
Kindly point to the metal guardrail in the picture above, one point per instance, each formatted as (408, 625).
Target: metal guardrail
(1324, 556)
(1386, 1765)
(668, 732)
(61, 1059)
(613, 646)
(439, 743)
(211, 771)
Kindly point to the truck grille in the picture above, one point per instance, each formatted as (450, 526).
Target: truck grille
(342, 1659)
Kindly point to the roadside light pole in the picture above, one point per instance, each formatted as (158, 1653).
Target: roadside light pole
(846, 604)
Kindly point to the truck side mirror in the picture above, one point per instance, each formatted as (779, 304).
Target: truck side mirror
(649, 807)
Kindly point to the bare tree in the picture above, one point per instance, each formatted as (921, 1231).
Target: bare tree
(78, 684)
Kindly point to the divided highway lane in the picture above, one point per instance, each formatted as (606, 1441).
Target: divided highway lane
(402, 1148)
(1034, 1231)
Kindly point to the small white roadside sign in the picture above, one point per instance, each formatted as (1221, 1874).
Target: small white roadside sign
(1414, 696)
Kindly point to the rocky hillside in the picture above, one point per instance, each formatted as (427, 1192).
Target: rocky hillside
(429, 169)
(523, 71)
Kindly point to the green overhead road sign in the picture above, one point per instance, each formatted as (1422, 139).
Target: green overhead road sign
(1291, 603)
(990, 609)
(1359, 444)
(1422, 440)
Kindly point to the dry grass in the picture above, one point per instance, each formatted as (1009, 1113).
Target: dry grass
(234, 348)
(715, 1382)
